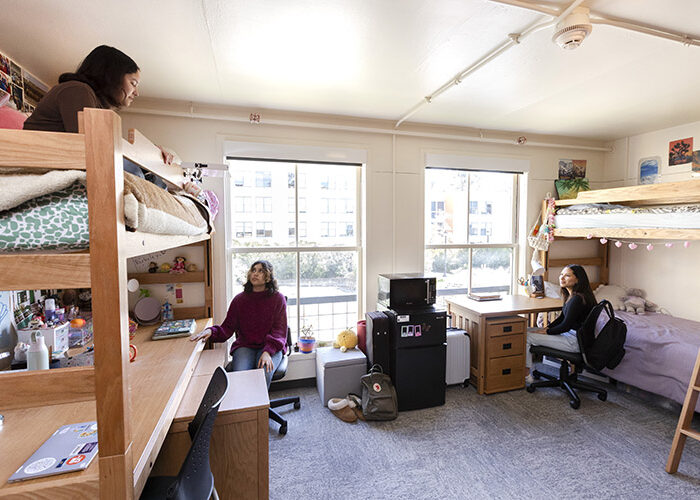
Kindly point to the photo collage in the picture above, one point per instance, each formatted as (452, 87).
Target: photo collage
(25, 90)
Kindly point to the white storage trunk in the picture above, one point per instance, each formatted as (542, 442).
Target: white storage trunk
(457, 370)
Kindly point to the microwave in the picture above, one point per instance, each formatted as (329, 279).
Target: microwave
(406, 290)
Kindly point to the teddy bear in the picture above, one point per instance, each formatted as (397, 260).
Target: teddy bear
(347, 339)
(635, 302)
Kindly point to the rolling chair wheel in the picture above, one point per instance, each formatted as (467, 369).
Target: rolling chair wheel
(575, 404)
(535, 374)
(602, 397)
(283, 429)
(530, 388)
(297, 405)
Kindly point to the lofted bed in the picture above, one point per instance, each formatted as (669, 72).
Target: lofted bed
(660, 349)
(133, 403)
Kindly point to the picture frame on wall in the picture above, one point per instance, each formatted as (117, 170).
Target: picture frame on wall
(696, 163)
(649, 170)
(680, 151)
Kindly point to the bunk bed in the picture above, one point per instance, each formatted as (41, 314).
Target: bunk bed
(133, 404)
(660, 349)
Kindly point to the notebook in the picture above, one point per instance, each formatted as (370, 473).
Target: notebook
(175, 328)
(71, 448)
(484, 296)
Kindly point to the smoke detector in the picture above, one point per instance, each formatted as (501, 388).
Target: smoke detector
(572, 30)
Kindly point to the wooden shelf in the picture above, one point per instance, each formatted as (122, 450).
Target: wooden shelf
(156, 278)
(137, 243)
(637, 233)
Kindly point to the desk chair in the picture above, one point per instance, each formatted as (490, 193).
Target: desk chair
(279, 373)
(567, 381)
(195, 479)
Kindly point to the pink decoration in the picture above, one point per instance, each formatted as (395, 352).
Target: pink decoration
(668, 245)
(618, 244)
(632, 246)
(686, 244)
(603, 241)
(650, 247)
(589, 236)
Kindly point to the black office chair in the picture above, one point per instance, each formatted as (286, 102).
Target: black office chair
(279, 373)
(195, 479)
(566, 381)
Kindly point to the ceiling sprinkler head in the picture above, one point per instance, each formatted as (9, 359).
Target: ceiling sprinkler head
(572, 30)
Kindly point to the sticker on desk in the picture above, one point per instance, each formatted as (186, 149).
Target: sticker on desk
(40, 465)
(76, 450)
(75, 460)
(60, 463)
(87, 434)
(87, 448)
(402, 318)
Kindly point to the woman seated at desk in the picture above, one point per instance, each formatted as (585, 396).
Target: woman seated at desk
(258, 316)
(561, 333)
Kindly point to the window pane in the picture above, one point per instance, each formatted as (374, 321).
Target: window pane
(328, 282)
(491, 269)
(284, 268)
(492, 195)
(329, 204)
(451, 270)
(446, 196)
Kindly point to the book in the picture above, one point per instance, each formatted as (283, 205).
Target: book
(175, 328)
(484, 296)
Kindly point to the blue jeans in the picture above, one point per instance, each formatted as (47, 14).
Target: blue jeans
(133, 168)
(246, 358)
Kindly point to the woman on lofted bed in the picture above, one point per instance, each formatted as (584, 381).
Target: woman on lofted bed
(258, 316)
(561, 334)
(107, 79)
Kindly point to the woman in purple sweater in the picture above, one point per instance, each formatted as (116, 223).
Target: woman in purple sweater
(258, 317)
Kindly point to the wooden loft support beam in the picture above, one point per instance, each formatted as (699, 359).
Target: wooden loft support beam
(142, 151)
(137, 243)
(631, 233)
(30, 389)
(645, 194)
(38, 271)
(105, 189)
(33, 149)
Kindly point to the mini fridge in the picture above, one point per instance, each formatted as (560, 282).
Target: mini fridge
(418, 347)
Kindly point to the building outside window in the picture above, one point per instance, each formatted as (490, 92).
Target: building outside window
(471, 244)
(317, 263)
(241, 204)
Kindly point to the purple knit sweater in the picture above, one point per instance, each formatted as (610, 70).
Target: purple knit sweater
(259, 319)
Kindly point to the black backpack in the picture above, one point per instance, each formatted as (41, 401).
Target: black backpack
(606, 349)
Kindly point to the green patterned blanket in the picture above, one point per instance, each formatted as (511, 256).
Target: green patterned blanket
(52, 222)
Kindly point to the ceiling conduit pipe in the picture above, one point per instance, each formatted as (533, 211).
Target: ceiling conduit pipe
(513, 39)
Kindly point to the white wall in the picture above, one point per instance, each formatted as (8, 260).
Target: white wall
(670, 276)
(394, 170)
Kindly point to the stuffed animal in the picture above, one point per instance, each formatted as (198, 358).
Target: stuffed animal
(613, 294)
(636, 303)
(347, 339)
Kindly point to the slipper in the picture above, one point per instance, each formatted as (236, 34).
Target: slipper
(356, 405)
(341, 409)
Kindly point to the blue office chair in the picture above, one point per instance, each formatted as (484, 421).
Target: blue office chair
(195, 479)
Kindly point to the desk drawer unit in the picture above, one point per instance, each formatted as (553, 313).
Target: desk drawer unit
(505, 353)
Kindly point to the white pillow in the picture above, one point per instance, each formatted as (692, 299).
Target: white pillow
(612, 293)
(552, 290)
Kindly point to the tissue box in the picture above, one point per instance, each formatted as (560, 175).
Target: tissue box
(55, 336)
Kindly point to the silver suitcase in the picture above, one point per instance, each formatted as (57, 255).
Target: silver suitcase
(457, 370)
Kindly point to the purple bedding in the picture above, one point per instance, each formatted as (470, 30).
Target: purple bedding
(660, 354)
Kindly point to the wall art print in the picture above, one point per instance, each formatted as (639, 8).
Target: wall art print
(680, 151)
(572, 169)
(649, 170)
(696, 163)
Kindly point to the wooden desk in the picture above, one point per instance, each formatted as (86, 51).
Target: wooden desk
(497, 337)
(238, 452)
(157, 378)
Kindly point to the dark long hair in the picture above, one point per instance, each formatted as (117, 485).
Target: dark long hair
(270, 285)
(103, 69)
(582, 288)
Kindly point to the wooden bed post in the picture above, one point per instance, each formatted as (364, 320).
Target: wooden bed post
(105, 188)
(544, 254)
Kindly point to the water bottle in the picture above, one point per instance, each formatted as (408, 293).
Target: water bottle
(38, 353)
(49, 310)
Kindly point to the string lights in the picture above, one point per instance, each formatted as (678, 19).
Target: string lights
(633, 245)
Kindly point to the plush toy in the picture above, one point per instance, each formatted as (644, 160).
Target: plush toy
(613, 294)
(164, 268)
(347, 339)
(152, 267)
(636, 303)
(191, 268)
(178, 266)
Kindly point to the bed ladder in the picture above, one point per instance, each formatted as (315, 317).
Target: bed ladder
(683, 429)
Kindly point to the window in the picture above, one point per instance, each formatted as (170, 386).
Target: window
(470, 239)
(237, 179)
(241, 204)
(316, 262)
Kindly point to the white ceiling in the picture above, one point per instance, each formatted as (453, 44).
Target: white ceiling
(379, 58)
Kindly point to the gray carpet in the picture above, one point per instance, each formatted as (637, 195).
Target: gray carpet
(508, 445)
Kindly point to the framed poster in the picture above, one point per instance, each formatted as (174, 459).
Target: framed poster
(680, 151)
(649, 170)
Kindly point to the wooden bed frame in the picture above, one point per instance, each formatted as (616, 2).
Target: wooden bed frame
(635, 196)
(132, 403)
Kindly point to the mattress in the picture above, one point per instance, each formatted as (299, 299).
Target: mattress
(660, 354)
(618, 216)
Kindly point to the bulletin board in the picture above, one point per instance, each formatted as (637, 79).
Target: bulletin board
(26, 90)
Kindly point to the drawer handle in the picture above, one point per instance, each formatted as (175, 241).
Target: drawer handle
(505, 371)
(508, 328)
(507, 346)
